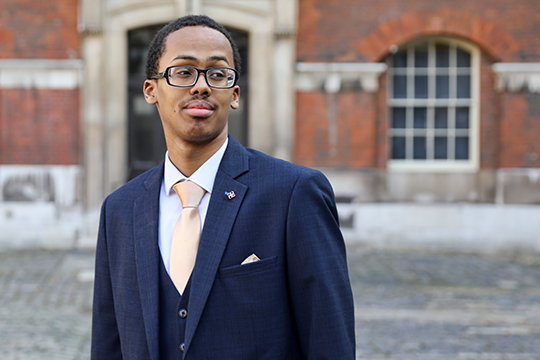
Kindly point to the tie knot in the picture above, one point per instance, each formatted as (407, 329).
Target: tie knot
(189, 193)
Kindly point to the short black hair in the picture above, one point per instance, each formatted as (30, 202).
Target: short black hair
(157, 46)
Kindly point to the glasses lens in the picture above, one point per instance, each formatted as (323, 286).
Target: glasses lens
(220, 77)
(182, 75)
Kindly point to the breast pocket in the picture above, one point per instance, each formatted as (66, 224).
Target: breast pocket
(251, 268)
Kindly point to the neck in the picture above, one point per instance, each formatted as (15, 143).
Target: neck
(188, 157)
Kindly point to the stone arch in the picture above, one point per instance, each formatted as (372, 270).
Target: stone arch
(492, 38)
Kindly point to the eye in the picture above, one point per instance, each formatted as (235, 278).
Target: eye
(218, 74)
(181, 72)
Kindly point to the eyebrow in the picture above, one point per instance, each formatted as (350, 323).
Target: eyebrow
(213, 58)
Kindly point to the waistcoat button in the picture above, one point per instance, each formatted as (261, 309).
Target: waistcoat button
(182, 313)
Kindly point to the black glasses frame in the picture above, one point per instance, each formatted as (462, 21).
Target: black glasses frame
(165, 74)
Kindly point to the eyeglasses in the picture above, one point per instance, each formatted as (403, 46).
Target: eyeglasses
(217, 77)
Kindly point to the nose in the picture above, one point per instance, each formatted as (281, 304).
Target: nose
(201, 85)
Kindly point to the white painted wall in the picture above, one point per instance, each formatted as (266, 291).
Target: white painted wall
(41, 207)
(483, 228)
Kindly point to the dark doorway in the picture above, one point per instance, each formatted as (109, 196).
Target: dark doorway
(145, 134)
(238, 119)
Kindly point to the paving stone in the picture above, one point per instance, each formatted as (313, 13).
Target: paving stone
(409, 305)
(445, 306)
(45, 310)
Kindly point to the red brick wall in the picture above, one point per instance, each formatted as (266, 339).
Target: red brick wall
(353, 30)
(520, 130)
(489, 116)
(355, 145)
(363, 31)
(381, 119)
(31, 29)
(39, 127)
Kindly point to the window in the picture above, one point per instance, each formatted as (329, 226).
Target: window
(433, 106)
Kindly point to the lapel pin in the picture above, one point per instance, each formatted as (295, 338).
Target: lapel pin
(230, 195)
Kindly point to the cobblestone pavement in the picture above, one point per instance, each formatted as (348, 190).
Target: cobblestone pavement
(409, 305)
(445, 306)
(45, 304)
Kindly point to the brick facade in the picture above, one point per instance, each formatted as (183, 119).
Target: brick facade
(39, 29)
(365, 31)
(344, 130)
(39, 125)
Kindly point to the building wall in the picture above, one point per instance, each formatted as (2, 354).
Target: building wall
(39, 127)
(349, 30)
(345, 133)
(336, 130)
(40, 132)
(63, 109)
(39, 29)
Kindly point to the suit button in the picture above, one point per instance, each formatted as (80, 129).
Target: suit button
(182, 313)
(182, 346)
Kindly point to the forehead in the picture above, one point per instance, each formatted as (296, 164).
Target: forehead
(199, 42)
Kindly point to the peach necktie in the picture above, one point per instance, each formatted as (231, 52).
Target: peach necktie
(185, 241)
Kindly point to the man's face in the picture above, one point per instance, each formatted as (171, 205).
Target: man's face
(197, 114)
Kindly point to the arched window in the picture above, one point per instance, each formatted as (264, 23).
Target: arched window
(434, 106)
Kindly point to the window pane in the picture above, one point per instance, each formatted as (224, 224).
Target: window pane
(421, 57)
(441, 147)
(419, 146)
(398, 118)
(400, 86)
(398, 147)
(442, 86)
(462, 118)
(442, 54)
(420, 86)
(462, 148)
(463, 58)
(420, 118)
(463, 86)
(400, 59)
(441, 118)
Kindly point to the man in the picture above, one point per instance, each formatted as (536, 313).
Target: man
(267, 279)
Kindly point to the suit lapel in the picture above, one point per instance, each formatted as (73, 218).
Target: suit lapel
(220, 218)
(147, 256)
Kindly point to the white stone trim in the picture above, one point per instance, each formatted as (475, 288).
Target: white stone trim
(313, 76)
(483, 228)
(283, 74)
(515, 76)
(40, 206)
(63, 181)
(40, 74)
(504, 175)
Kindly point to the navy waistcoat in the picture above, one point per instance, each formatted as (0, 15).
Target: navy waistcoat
(172, 317)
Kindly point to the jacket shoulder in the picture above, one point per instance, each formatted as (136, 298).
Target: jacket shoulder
(267, 164)
(136, 186)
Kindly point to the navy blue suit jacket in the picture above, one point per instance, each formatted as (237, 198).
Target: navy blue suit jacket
(295, 303)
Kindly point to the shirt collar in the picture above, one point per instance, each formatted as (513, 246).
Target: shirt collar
(204, 176)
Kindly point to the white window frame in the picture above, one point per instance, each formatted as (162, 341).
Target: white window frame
(443, 165)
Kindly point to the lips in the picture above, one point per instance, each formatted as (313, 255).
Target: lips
(199, 108)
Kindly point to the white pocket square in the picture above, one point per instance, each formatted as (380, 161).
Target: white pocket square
(251, 258)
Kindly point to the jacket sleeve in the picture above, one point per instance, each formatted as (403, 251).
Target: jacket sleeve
(319, 284)
(105, 335)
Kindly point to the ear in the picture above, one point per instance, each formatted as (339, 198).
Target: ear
(149, 89)
(235, 99)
